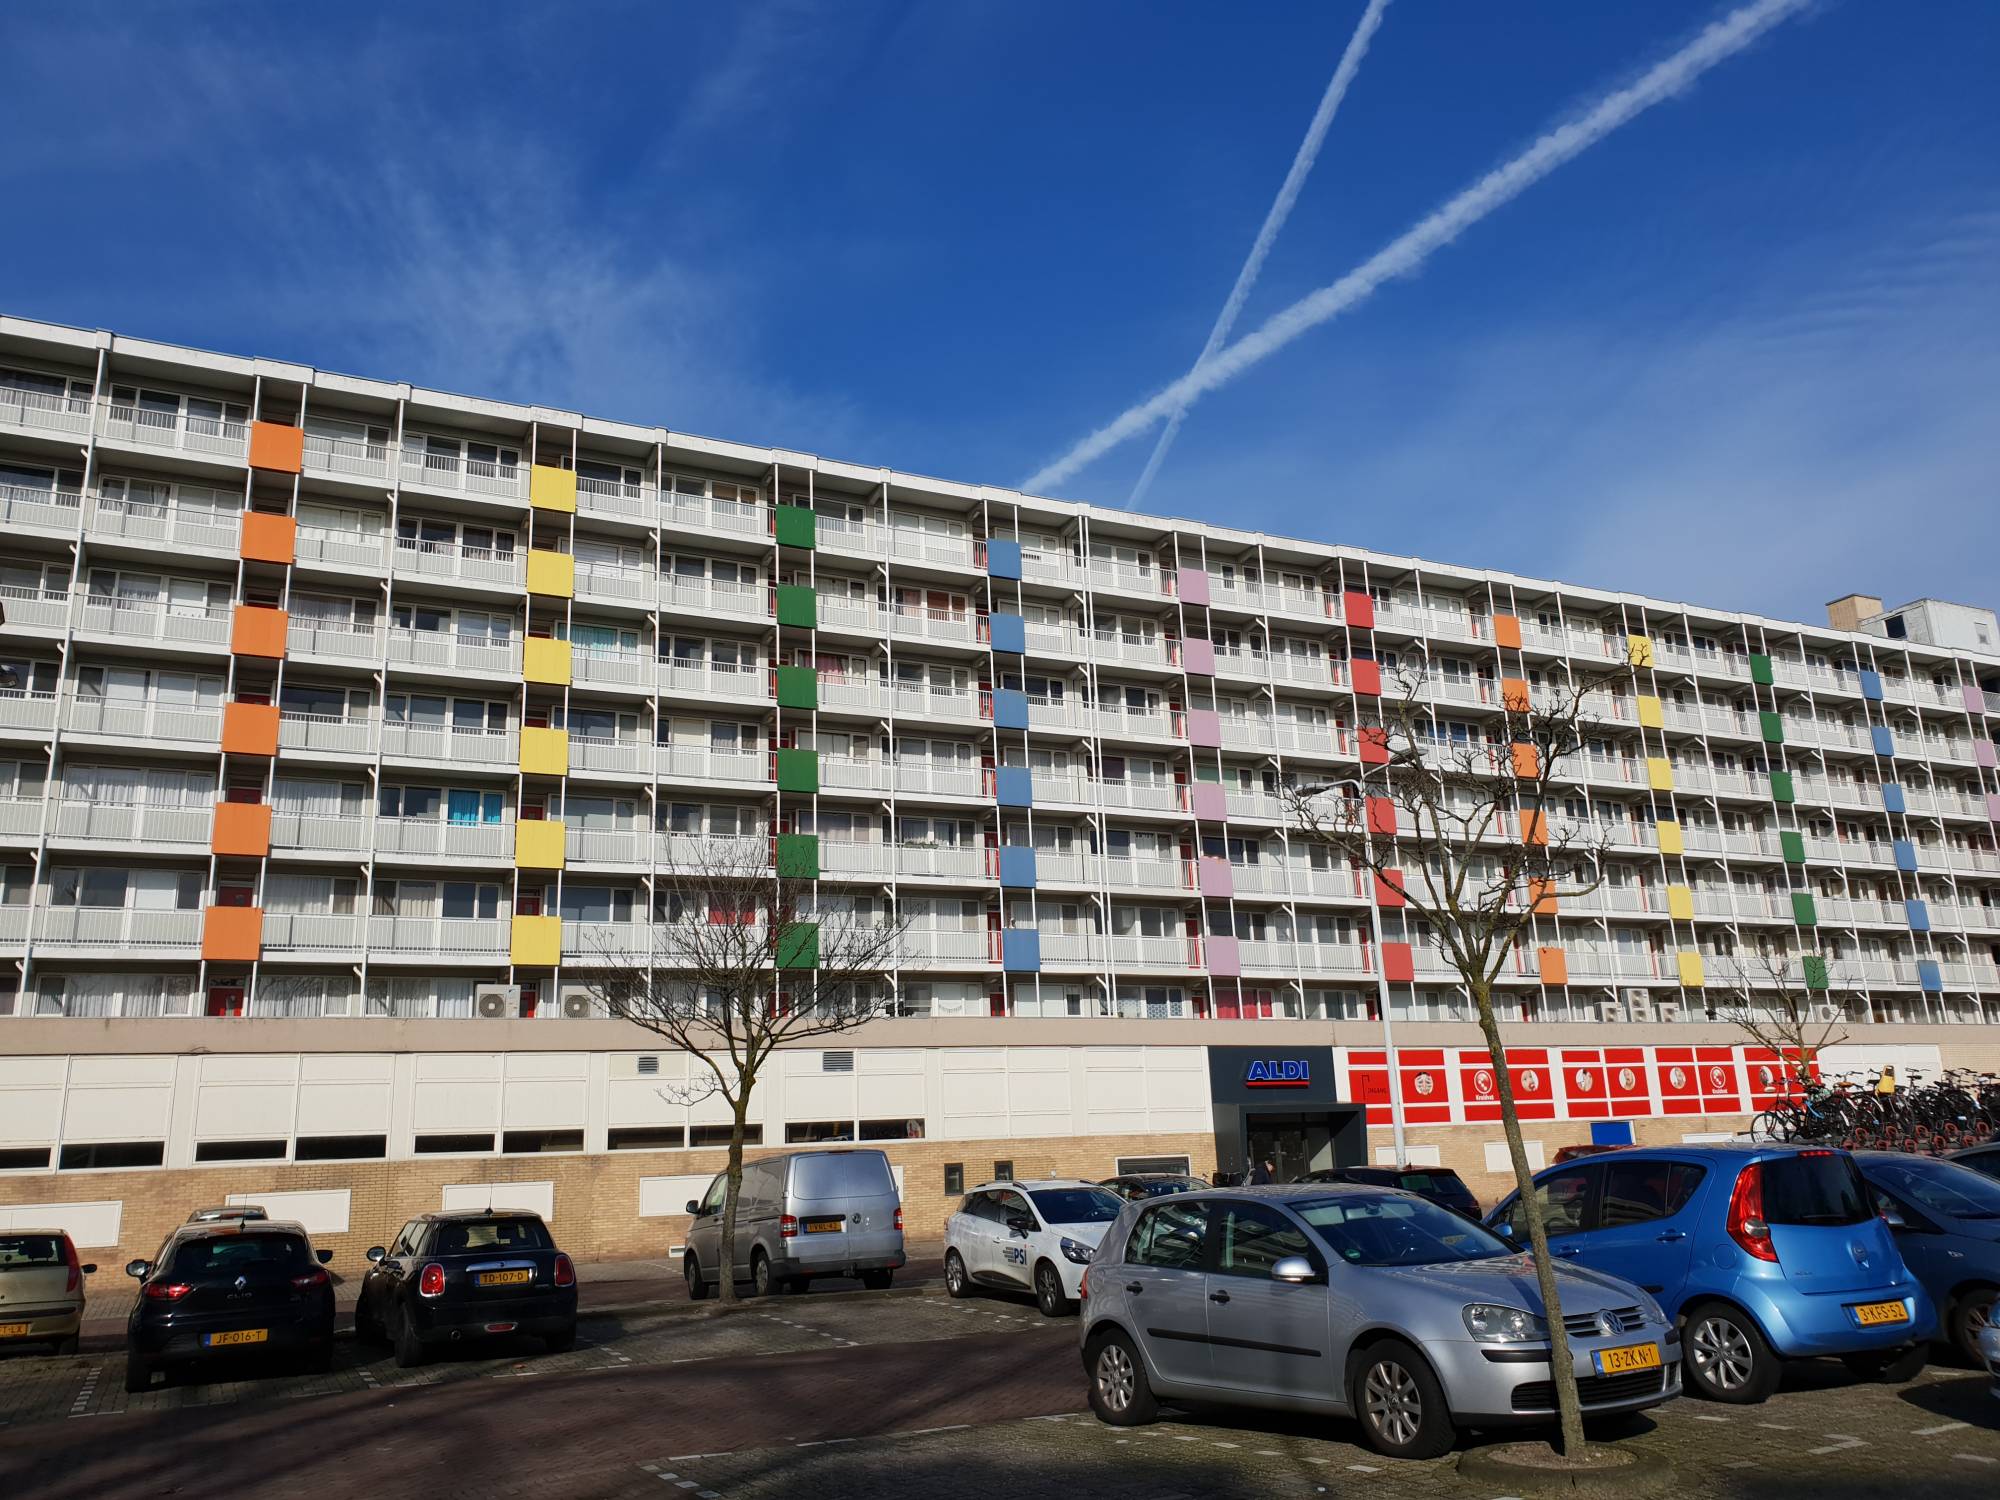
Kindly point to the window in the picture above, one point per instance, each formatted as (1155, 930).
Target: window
(457, 1236)
(1253, 1239)
(1565, 1200)
(1815, 1187)
(1003, 1171)
(647, 1137)
(1398, 1231)
(24, 1158)
(1171, 1236)
(452, 1145)
(718, 1135)
(1894, 628)
(103, 1155)
(954, 1178)
(807, 1131)
(239, 1151)
(524, 1142)
(340, 1147)
(1637, 1192)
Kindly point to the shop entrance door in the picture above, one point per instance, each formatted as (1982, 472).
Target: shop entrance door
(1294, 1144)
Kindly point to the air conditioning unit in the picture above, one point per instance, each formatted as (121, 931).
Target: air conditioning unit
(1641, 1007)
(1826, 1011)
(1611, 1010)
(1667, 1010)
(495, 1002)
(576, 1007)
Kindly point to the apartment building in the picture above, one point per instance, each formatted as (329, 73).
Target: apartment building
(345, 726)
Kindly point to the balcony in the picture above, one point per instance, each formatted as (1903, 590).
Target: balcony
(1106, 646)
(339, 547)
(856, 538)
(744, 684)
(708, 513)
(1158, 954)
(437, 838)
(154, 621)
(956, 948)
(942, 861)
(1129, 577)
(135, 822)
(1072, 950)
(471, 938)
(442, 742)
(446, 560)
(612, 667)
(34, 509)
(693, 853)
(311, 932)
(318, 833)
(920, 544)
(346, 458)
(42, 411)
(712, 763)
(604, 753)
(465, 476)
(612, 942)
(925, 701)
(197, 528)
(594, 845)
(1146, 874)
(952, 626)
(171, 431)
(20, 709)
(855, 859)
(117, 927)
(847, 773)
(133, 719)
(939, 779)
(327, 734)
(458, 653)
(854, 694)
(617, 583)
(328, 641)
(34, 609)
(735, 601)
(614, 497)
(21, 817)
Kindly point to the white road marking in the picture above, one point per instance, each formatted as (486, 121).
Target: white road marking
(1976, 1458)
(1778, 1426)
(1941, 1427)
(1702, 1416)
(1361, 1469)
(1839, 1444)
(954, 1427)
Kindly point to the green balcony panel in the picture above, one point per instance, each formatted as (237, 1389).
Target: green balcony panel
(798, 605)
(798, 687)
(798, 946)
(798, 856)
(1781, 787)
(1804, 911)
(797, 527)
(1760, 670)
(798, 770)
(1794, 845)
(1772, 725)
(1815, 971)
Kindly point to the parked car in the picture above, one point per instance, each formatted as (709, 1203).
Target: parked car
(804, 1215)
(1946, 1222)
(1982, 1159)
(1989, 1355)
(1028, 1236)
(217, 1292)
(1439, 1184)
(41, 1289)
(467, 1274)
(1578, 1150)
(1133, 1186)
(1363, 1301)
(224, 1213)
(1761, 1254)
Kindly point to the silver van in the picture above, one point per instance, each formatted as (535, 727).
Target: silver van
(808, 1214)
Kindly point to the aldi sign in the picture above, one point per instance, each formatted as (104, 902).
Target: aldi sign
(1278, 1073)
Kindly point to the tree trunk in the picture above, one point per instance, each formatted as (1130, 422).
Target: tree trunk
(1562, 1372)
(725, 1271)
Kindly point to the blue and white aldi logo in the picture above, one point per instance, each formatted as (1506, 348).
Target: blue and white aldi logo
(1278, 1073)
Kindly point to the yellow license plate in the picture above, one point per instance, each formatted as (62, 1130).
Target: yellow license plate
(14, 1330)
(1870, 1314)
(505, 1278)
(823, 1226)
(237, 1336)
(1631, 1357)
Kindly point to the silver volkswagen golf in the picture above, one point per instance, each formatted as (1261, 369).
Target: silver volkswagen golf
(1366, 1302)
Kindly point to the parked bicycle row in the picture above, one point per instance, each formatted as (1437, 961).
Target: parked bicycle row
(1878, 1111)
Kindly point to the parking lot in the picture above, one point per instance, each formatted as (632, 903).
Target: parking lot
(884, 1395)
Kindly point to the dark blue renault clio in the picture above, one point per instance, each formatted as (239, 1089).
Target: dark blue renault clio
(1760, 1253)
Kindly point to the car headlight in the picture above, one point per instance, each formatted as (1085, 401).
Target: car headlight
(1077, 1252)
(1649, 1306)
(1489, 1323)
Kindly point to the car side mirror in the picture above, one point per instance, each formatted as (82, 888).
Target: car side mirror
(137, 1269)
(1021, 1224)
(325, 1257)
(694, 1208)
(1894, 1219)
(376, 1255)
(90, 1268)
(1295, 1270)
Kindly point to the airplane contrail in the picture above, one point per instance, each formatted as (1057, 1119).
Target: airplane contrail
(1717, 43)
(1274, 221)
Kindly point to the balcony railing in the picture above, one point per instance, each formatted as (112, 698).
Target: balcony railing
(117, 926)
(319, 832)
(705, 596)
(342, 547)
(347, 458)
(34, 608)
(201, 528)
(438, 838)
(144, 719)
(324, 732)
(154, 620)
(20, 709)
(30, 506)
(332, 641)
(614, 497)
(472, 476)
(43, 411)
(443, 742)
(439, 937)
(419, 559)
(134, 822)
(173, 430)
(462, 653)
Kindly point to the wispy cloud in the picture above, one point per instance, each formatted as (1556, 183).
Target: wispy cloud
(1405, 254)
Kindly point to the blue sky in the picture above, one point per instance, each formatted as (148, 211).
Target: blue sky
(1745, 351)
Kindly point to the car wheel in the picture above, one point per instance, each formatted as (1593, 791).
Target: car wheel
(1399, 1402)
(956, 1282)
(1889, 1366)
(697, 1288)
(138, 1375)
(1971, 1315)
(1049, 1294)
(560, 1343)
(1120, 1394)
(1725, 1356)
(763, 1280)
(409, 1349)
(878, 1281)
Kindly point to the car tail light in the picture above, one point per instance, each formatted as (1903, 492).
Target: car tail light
(1083, 1286)
(788, 1227)
(430, 1281)
(75, 1265)
(565, 1272)
(315, 1277)
(1746, 1214)
(168, 1291)
(899, 1218)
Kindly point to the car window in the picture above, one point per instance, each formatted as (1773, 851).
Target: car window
(461, 1236)
(1638, 1191)
(1397, 1231)
(1565, 1200)
(1941, 1186)
(843, 1174)
(1091, 1205)
(1980, 1161)
(1820, 1188)
(20, 1251)
(717, 1190)
(230, 1253)
(1010, 1205)
(1172, 1236)
(1253, 1238)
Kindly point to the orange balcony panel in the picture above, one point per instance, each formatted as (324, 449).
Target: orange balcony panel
(1554, 965)
(1507, 632)
(1399, 963)
(1542, 896)
(258, 630)
(1389, 888)
(232, 934)
(1514, 694)
(1527, 764)
(250, 729)
(271, 539)
(278, 447)
(1534, 828)
(242, 828)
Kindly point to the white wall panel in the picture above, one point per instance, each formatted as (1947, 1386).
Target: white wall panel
(668, 1197)
(89, 1224)
(321, 1211)
(546, 1091)
(456, 1091)
(536, 1197)
(891, 1084)
(31, 1099)
(973, 1092)
(119, 1099)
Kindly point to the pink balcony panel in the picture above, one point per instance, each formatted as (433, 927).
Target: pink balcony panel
(1218, 882)
(1210, 806)
(1975, 700)
(1198, 657)
(1192, 585)
(1224, 958)
(1204, 729)
(1993, 806)
(1982, 751)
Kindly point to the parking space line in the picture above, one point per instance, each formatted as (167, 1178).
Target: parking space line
(1941, 1427)
(1839, 1444)
(1976, 1458)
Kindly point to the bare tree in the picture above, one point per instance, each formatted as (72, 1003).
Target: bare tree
(1773, 1001)
(1464, 832)
(746, 959)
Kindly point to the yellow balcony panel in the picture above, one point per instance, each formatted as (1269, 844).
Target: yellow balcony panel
(551, 574)
(1659, 773)
(1680, 903)
(1670, 836)
(546, 661)
(551, 488)
(544, 752)
(1692, 976)
(538, 844)
(537, 942)
(1649, 712)
(1640, 650)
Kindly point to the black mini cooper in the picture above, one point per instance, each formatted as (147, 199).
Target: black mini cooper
(465, 1275)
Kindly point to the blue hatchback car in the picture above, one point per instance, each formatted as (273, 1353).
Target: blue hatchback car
(1760, 1253)
(1946, 1220)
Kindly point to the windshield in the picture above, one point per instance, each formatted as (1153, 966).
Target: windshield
(1941, 1186)
(1816, 1188)
(19, 1252)
(463, 1236)
(1369, 1231)
(1077, 1205)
